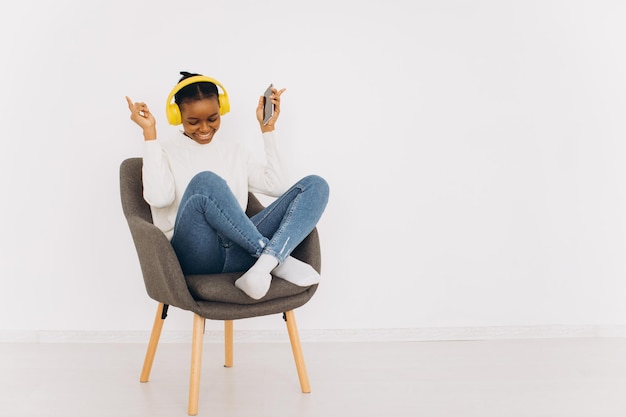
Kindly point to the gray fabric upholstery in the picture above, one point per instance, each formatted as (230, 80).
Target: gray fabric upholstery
(211, 296)
(221, 288)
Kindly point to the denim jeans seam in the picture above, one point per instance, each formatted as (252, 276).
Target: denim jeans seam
(297, 186)
(181, 210)
(285, 223)
(229, 220)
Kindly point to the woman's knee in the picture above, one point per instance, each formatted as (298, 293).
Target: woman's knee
(317, 182)
(206, 179)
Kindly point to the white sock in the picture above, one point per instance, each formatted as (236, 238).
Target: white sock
(256, 281)
(297, 272)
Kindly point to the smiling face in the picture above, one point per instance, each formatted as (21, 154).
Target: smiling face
(201, 119)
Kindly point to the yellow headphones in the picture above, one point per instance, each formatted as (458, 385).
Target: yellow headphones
(173, 111)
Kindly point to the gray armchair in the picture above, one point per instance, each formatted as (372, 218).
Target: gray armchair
(207, 296)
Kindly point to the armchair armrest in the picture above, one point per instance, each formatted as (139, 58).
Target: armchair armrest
(162, 274)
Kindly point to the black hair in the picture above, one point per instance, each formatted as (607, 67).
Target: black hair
(195, 91)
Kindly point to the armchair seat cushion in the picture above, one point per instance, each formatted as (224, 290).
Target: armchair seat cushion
(221, 288)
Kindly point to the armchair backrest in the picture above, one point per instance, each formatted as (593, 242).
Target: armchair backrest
(162, 274)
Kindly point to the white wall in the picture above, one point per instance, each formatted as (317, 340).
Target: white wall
(474, 149)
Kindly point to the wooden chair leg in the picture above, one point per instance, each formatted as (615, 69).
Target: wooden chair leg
(292, 328)
(228, 343)
(154, 341)
(196, 363)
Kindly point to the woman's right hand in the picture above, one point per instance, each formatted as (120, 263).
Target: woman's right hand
(140, 114)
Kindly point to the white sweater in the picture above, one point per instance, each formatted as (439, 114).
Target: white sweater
(169, 165)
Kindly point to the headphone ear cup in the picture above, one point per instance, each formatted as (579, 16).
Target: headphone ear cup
(173, 114)
(172, 111)
(224, 104)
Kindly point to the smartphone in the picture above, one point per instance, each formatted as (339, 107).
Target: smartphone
(268, 107)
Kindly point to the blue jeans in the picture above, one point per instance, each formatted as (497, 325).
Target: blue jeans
(212, 234)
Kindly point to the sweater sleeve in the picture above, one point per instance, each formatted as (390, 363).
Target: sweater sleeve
(268, 177)
(159, 188)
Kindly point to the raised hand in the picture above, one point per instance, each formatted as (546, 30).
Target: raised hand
(275, 100)
(140, 114)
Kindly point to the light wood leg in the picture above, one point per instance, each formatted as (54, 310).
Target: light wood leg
(196, 363)
(228, 343)
(152, 345)
(292, 328)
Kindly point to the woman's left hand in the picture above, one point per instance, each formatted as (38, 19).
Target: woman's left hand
(275, 100)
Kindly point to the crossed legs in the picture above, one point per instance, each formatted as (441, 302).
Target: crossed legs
(213, 233)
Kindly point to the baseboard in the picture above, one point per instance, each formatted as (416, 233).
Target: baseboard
(329, 335)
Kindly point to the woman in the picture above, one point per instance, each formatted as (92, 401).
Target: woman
(197, 185)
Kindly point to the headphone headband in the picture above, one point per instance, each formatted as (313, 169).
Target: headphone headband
(173, 111)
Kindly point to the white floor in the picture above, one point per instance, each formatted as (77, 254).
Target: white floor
(505, 378)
